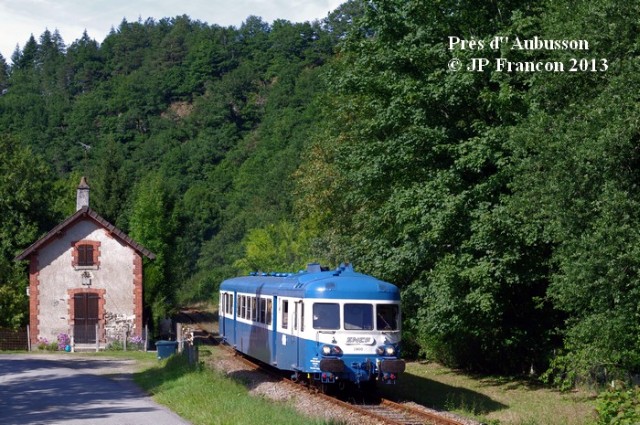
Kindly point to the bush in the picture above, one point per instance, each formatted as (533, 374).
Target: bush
(135, 343)
(582, 367)
(60, 344)
(63, 341)
(619, 406)
(43, 343)
(115, 345)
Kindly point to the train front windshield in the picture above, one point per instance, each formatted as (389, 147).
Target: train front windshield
(358, 317)
(326, 316)
(387, 317)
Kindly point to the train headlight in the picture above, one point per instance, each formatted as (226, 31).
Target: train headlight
(331, 350)
(386, 350)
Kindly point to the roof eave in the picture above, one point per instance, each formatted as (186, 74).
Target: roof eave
(85, 211)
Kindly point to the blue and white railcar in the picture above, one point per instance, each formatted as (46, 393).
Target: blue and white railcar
(323, 325)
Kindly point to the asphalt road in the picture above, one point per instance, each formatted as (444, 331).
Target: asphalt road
(66, 389)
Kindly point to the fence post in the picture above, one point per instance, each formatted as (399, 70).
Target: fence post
(28, 338)
(179, 336)
(146, 337)
(97, 338)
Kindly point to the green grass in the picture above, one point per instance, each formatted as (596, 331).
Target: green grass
(204, 396)
(143, 358)
(491, 400)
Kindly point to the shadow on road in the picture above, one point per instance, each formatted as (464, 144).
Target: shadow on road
(38, 391)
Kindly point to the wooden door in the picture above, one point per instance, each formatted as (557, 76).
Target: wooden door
(85, 317)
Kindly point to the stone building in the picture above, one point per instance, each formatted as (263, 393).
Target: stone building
(85, 272)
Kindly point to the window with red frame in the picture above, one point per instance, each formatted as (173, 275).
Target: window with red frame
(85, 255)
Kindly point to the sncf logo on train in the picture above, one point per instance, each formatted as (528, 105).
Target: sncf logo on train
(360, 340)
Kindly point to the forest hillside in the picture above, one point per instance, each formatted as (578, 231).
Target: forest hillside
(483, 156)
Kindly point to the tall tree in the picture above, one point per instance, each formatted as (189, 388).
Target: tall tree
(576, 188)
(108, 178)
(4, 72)
(416, 157)
(85, 64)
(26, 58)
(152, 225)
(25, 199)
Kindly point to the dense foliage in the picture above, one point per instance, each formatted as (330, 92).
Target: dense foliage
(504, 204)
(619, 406)
(194, 131)
(26, 192)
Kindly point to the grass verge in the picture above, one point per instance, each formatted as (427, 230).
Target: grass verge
(204, 396)
(491, 400)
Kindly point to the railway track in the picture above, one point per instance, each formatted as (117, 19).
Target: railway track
(382, 411)
(379, 411)
(390, 412)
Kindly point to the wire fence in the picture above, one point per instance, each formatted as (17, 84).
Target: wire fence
(14, 339)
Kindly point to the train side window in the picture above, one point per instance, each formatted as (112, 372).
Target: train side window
(387, 317)
(229, 307)
(302, 317)
(263, 310)
(244, 306)
(268, 314)
(326, 316)
(256, 309)
(254, 306)
(358, 317)
(285, 314)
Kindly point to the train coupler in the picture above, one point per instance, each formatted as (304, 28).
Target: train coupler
(325, 377)
(388, 378)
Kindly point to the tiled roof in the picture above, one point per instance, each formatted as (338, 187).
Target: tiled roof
(82, 213)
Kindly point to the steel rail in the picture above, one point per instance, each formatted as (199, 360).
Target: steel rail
(383, 412)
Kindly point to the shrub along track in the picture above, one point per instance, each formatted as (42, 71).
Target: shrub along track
(268, 382)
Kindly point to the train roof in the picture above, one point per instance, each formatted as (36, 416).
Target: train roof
(315, 282)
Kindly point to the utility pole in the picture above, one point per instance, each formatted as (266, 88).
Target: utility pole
(86, 153)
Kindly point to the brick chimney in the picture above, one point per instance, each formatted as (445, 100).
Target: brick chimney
(82, 197)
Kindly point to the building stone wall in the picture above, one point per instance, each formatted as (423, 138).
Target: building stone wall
(116, 277)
